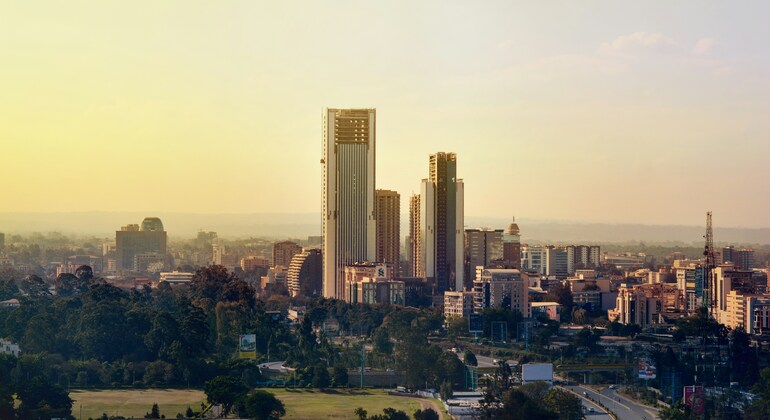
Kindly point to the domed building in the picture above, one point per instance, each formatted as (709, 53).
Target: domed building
(151, 224)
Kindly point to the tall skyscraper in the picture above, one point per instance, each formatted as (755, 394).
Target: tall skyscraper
(349, 228)
(304, 274)
(416, 269)
(387, 213)
(441, 223)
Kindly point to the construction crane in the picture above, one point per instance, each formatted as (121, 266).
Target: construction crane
(710, 262)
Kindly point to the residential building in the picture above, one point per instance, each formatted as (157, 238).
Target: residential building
(349, 226)
(458, 304)
(305, 273)
(582, 256)
(387, 212)
(8, 347)
(284, 251)
(441, 224)
(253, 263)
(415, 244)
(500, 288)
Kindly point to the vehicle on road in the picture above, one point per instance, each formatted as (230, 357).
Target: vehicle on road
(613, 387)
(585, 393)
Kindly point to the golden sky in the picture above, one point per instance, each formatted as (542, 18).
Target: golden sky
(579, 111)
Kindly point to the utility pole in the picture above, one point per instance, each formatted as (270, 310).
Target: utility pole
(363, 363)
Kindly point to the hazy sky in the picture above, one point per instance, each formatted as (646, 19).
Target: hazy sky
(647, 112)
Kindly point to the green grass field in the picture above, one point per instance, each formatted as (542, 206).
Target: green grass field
(300, 403)
(134, 403)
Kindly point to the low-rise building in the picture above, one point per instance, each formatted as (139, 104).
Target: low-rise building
(500, 288)
(551, 310)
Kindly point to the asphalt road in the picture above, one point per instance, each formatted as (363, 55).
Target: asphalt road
(623, 407)
(598, 413)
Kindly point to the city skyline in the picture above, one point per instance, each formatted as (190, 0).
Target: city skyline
(618, 116)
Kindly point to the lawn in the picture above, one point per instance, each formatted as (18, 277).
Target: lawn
(135, 402)
(340, 403)
(300, 403)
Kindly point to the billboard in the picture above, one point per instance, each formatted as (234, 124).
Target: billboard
(536, 372)
(646, 369)
(475, 324)
(694, 397)
(247, 346)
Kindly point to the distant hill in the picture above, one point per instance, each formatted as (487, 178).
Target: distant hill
(301, 225)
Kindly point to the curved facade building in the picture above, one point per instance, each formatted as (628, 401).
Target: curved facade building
(304, 276)
(152, 224)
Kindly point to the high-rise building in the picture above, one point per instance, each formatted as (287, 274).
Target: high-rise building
(304, 274)
(482, 246)
(744, 259)
(284, 251)
(441, 223)
(416, 269)
(501, 288)
(2, 241)
(132, 241)
(582, 256)
(387, 212)
(512, 246)
(534, 258)
(556, 261)
(349, 227)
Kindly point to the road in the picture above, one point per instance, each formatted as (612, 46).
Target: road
(623, 407)
(598, 413)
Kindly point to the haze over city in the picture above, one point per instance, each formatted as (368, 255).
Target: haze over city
(585, 112)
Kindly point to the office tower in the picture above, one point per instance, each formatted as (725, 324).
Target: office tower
(744, 259)
(387, 213)
(512, 246)
(534, 258)
(728, 254)
(556, 261)
(304, 274)
(441, 223)
(348, 201)
(416, 269)
(2, 241)
(284, 251)
(482, 246)
(148, 241)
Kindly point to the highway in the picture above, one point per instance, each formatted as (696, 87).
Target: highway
(623, 407)
(598, 413)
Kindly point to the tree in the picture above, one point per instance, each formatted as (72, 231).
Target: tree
(225, 391)
(340, 376)
(321, 377)
(360, 413)
(262, 405)
(41, 400)
(470, 358)
(427, 414)
(154, 412)
(673, 412)
(567, 405)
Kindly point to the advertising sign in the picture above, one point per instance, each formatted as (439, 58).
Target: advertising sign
(247, 346)
(475, 324)
(646, 369)
(694, 398)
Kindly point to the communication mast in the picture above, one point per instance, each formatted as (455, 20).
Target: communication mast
(710, 261)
